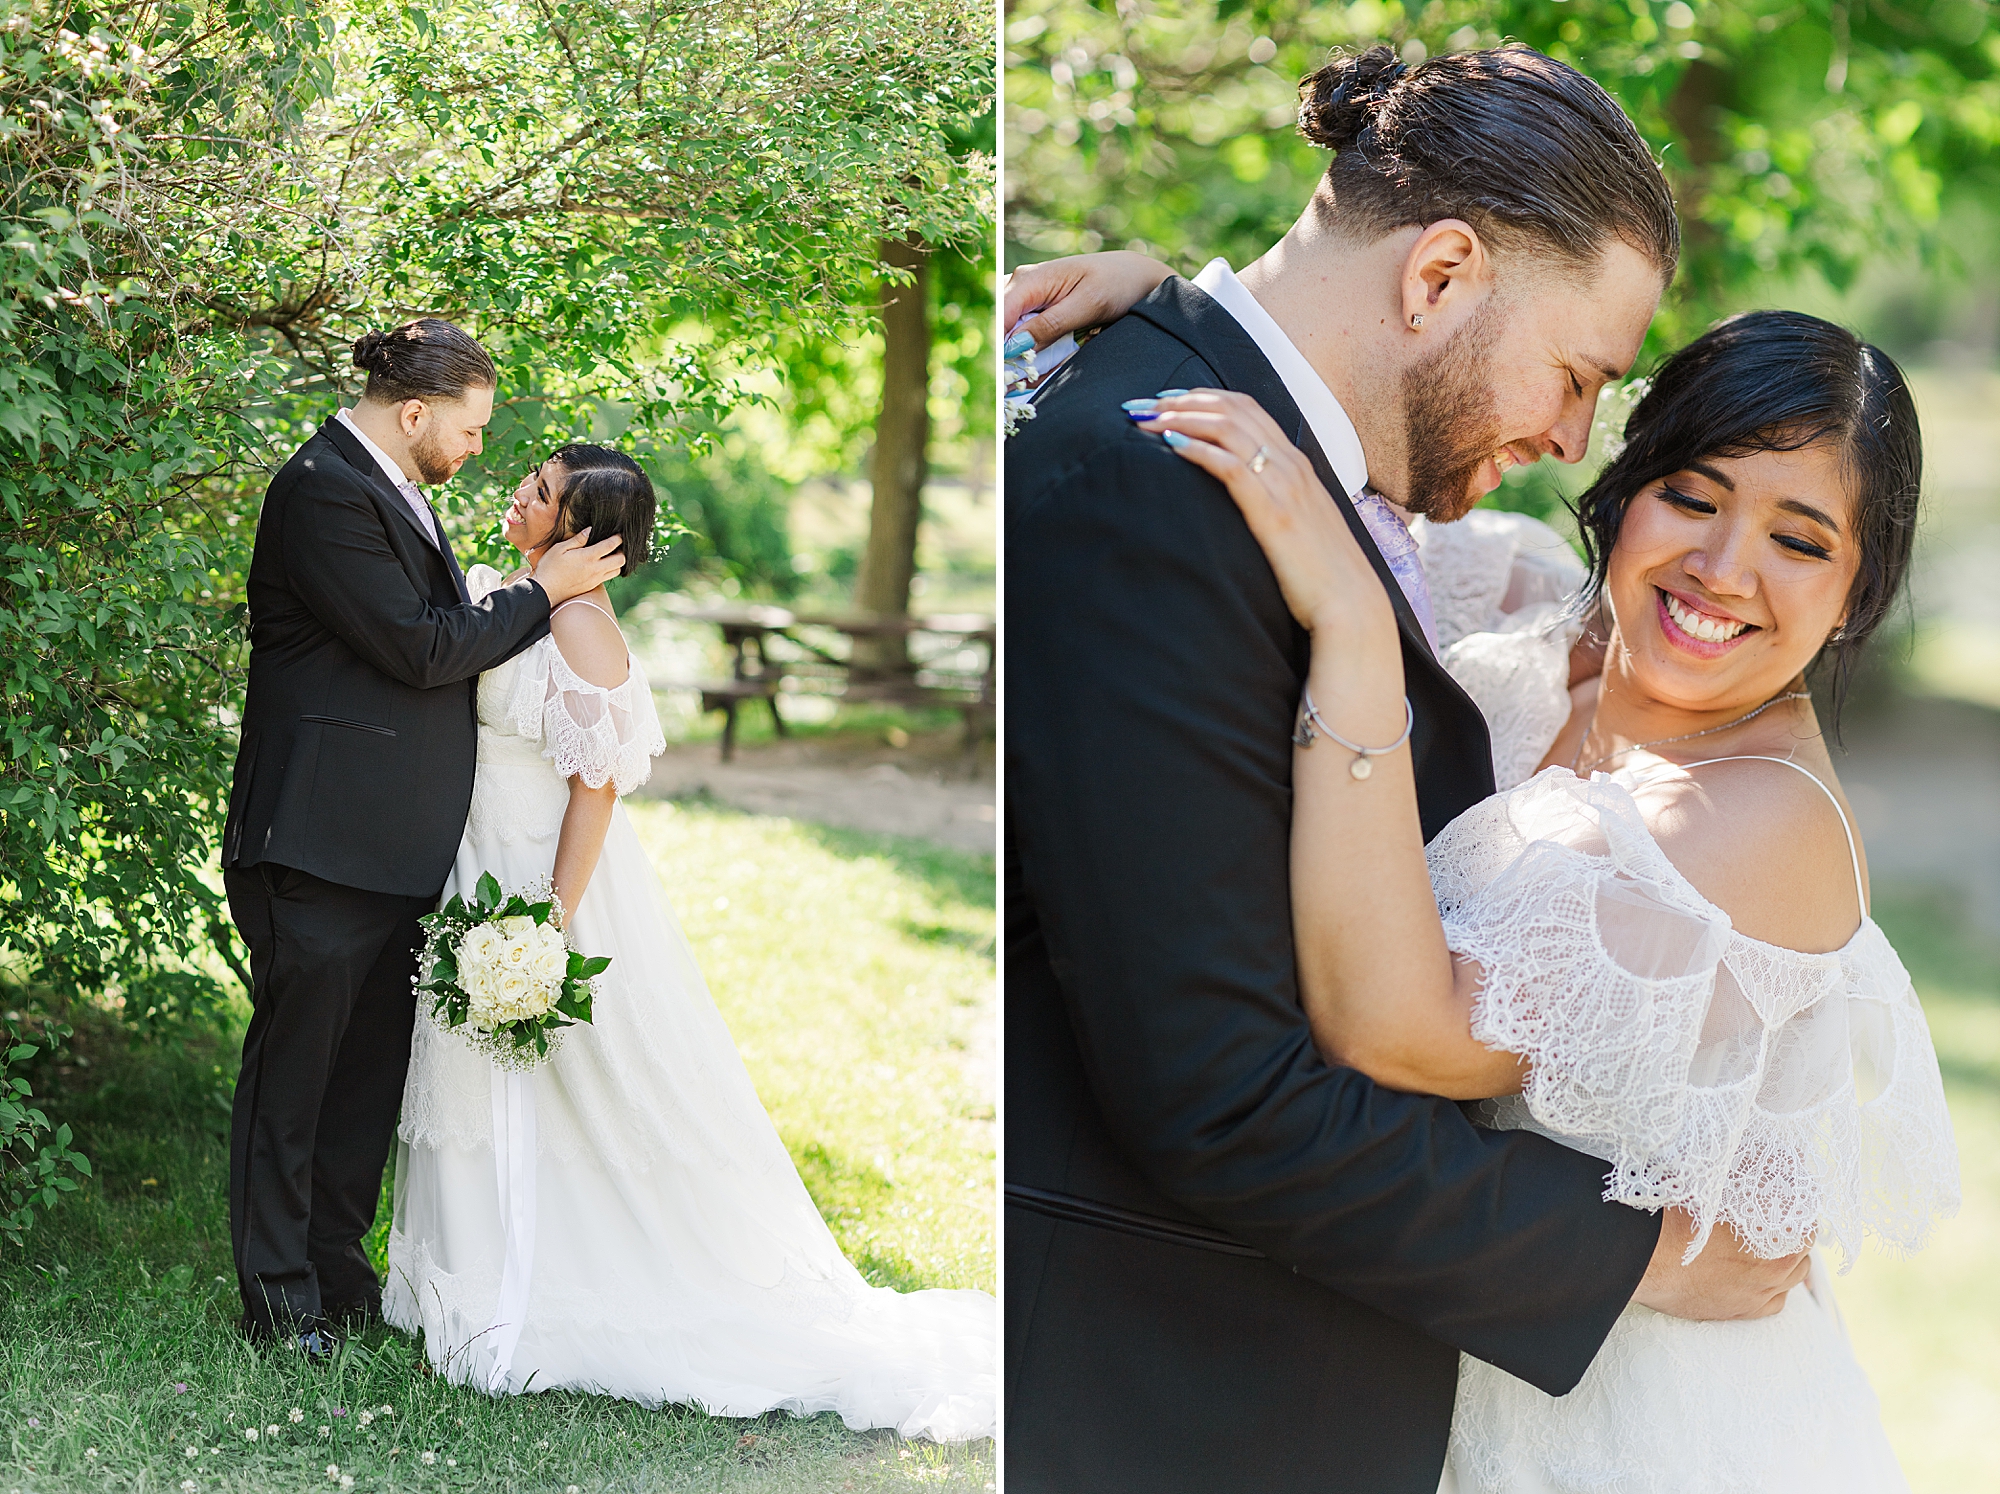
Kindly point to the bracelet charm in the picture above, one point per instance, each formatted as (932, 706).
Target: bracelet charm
(1312, 725)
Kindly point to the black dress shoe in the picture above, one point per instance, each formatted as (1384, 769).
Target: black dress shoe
(350, 1318)
(317, 1341)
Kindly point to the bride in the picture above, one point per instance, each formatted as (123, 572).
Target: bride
(1656, 948)
(624, 1219)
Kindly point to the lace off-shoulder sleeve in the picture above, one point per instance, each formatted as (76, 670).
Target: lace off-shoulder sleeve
(1758, 1087)
(585, 730)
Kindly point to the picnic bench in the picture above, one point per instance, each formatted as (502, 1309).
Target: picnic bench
(941, 678)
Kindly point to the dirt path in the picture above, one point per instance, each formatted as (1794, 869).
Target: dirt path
(930, 789)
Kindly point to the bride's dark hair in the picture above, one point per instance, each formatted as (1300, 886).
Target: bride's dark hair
(1526, 149)
(606, 492)
(1780, 381)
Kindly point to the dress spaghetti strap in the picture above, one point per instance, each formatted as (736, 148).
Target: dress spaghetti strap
(1853, 854)
(585, 602)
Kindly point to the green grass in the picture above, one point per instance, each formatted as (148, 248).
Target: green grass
(850, 969)
(1926, 1328)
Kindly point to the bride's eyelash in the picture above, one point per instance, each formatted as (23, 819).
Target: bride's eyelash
(1688, 501)
(1806, 547)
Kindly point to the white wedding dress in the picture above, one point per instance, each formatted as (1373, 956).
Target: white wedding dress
(624, 1219)
(1774, 1092)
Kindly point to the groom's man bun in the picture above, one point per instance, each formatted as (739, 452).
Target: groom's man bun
(428, 358)
(1530, 152)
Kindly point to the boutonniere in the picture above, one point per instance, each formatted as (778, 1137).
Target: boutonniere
(1024, 372)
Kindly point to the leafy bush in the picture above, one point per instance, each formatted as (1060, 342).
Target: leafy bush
(32, 1171)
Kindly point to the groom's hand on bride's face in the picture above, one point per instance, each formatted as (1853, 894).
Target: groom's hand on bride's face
(576, 566)
(1725, 1281)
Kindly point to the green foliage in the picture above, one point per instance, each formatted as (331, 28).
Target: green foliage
(116, 654)
(31, 1171)
(636, 208)
(735, 511)
(1798, 137)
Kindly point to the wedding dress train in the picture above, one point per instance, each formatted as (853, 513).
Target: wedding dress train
(624, 1219)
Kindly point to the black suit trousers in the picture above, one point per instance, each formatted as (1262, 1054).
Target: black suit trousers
(321, 1084)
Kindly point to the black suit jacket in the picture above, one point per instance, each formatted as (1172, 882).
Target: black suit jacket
(1230, 1264)
(359, 724)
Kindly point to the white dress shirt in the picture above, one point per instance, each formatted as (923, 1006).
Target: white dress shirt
(1334, 432)
(397, 480)
(1330, 425)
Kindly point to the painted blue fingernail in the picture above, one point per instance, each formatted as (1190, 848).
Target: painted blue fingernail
(1132, 406)
(1169, 393)
(1017, 344)
(1175, 438)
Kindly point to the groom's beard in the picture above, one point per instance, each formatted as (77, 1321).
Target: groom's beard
(433, 466)
(1448, 418)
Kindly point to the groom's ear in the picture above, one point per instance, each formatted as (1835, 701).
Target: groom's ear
(1446, 274)
(410, 415)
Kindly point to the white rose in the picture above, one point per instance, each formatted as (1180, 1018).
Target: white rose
(485, 988)
(519, 934)
(521, 997)
(477, 947)
(551, 960)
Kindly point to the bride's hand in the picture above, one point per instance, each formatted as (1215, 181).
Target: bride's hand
(1067, 295)
(1328, 583)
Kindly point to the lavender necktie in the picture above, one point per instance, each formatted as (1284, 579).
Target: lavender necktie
(1399, 550)
(422, 510)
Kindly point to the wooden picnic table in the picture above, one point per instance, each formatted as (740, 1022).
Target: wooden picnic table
(748, 627)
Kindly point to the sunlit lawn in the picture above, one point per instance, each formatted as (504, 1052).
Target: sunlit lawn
(851, 969)
(1928, 1329)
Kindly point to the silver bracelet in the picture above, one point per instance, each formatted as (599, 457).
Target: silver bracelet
(1310, 718)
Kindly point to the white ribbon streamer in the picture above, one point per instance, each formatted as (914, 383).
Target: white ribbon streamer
(514, 1170)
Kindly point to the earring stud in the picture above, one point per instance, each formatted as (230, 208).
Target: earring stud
(1416, 320)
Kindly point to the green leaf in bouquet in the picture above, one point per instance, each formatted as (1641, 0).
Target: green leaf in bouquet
(490, 896)
(540, 912)
(582, 967)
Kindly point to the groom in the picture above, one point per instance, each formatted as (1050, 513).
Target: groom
(351, 789)
(1232, 1265)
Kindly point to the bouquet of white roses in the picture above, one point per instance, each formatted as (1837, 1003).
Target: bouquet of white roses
(502, 969)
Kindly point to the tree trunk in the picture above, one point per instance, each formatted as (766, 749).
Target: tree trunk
(902, 436)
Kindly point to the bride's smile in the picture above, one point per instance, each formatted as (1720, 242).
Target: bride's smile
(531, 514)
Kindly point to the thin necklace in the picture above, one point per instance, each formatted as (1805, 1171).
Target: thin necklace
(1575, 765)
